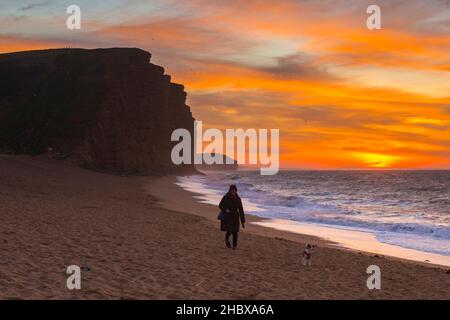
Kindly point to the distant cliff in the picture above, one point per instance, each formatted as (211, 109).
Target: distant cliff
(107, 109)
(228, 164)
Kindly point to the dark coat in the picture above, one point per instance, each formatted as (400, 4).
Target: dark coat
(233, 211)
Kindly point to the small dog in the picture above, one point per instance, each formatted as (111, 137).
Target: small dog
(307, 254)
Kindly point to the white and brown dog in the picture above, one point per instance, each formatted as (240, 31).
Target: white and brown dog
(307, 254)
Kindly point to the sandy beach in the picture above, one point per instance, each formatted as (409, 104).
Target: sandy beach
(146, 238)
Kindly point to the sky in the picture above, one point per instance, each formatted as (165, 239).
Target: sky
(343, 96)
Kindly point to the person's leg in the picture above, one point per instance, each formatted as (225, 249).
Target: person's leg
(227, 239)
(235, 239)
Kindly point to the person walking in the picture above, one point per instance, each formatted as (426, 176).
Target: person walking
(232, 216)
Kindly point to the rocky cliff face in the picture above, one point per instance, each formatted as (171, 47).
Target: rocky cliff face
(107, 109)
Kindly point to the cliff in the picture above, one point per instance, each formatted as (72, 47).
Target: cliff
(107, 109)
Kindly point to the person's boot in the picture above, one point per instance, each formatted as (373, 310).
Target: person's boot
(227, 243)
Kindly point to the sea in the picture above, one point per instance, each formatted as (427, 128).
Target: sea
(410, 209)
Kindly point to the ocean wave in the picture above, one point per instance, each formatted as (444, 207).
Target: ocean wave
(388, 205)
(440, 232)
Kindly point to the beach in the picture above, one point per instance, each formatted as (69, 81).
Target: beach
(142, 237)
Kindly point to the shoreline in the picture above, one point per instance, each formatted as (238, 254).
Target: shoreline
(360, 241)
(324, 235)
(132, 247)
(174, 197)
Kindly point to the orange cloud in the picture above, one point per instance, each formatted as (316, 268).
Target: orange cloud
(341, 95)
(12, 44)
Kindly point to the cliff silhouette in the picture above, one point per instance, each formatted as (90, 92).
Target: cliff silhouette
(105, 109)
(219, 167)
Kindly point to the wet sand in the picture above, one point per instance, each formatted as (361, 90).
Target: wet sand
(137, 244)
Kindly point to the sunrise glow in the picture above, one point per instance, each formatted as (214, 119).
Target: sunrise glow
(342, 96)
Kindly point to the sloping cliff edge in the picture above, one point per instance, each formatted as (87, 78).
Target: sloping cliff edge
(104, 109)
